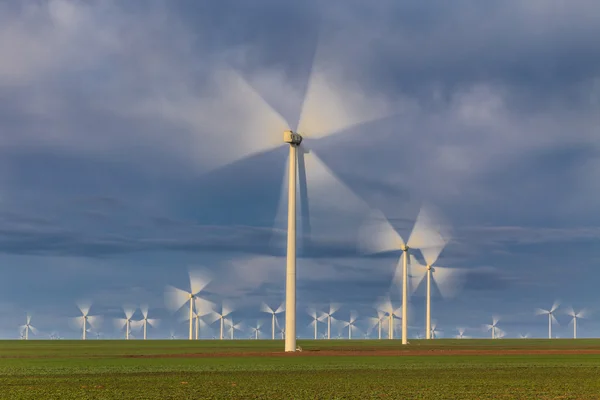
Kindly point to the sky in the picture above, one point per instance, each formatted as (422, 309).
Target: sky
(142, 139)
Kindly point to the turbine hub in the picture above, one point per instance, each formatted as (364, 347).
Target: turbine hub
(428, 267)
(292, 138)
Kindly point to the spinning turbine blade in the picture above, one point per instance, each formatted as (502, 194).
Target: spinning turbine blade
(555, 306)
(280, 309)
(144, 310)
(428, 235)
(95, 321)
(198, 281)
(416, 273)
(266, 309)
(378, 235)
(203, 306)
(447, 280)
(84, 307)
(129, 311)
(175, 298)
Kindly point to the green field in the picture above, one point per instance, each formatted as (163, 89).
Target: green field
(179, 369)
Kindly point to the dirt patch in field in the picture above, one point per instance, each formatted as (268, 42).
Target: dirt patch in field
(407, 352)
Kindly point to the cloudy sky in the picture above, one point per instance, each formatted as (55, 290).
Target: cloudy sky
(142, 139)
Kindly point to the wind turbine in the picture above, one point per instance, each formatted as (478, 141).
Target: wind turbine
(379, 236)
(315, 320)
(387, 307)
(524, 336)
(461, 333)
(350, 324)
(126, 322)
(256, 330)
(28, 327)
(327, 108)
(265, 308)
(233, 327)
(215, 316)
(444, 278)
(147, 321)
(551, 317)
(576, 316)
(85, 322)
(175, 298)
(329, 316)
(376, 321)
(434, 330)
(493, 326)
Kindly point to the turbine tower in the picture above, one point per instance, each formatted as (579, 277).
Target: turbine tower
(379, 236)
(175, 298)
(551, 317)
(266, 309)
(575, 315)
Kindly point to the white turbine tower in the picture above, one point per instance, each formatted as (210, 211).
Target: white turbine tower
(551, 318)
(126, 322)
(147, 321)
(328, 316)
(28, 328)
(256, 330)
(575, 315)
(493, 326)
(175, 298)
(379, 236)
(387, 307)
(266, 309)
(86, 322)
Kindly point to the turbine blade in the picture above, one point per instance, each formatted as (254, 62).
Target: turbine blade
(541, 311)
(95, 321)
(203, 306)
(155, 322)
(555, 306)
(333, 307)
(129, 310)
(213, 317)
(378, 235)
(416, 271)
(175, 298)
(144, 310)
(75, 322)
(227, 308)
(280, 309)
(33, 330)
(448, 281)
(120, 323)
(84, 306)
(266, 309)
(332, 104)
(428, 234)
(198, 281)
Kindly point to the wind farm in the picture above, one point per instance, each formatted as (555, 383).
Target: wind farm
(290, 200)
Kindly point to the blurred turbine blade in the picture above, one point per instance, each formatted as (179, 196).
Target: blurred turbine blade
(266, 309)
(417, 272)
(175, 298)
(428, 234)
(84, 306)
(76, 322)
(198, 280)
(555, 306)
(154, 322)
(95, 321)
(212, 317)
(129, 310)
(541, 311)
(281, 308)
(33, 330)
(203, 306)
(227, 308)
(448, 281)
(333, 307)
(144, 310)
(120, 323)
(378, 235)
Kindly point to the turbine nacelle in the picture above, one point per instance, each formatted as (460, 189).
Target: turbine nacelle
(292, 138)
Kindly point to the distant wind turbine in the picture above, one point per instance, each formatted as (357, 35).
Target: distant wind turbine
(350, 324)
(226, 309)
(493, 326)
(266, 309)
(256, 330)
(376, 322)
(461, 333)
(86, 322)
(175, 298)
(387, 307)
(315, 319)
(575, 315)
(126, 322)
(147, 321)
(524, 336)
(28, 328)
(551, 317)
(329, 317)
(434, 331)
(380, 236)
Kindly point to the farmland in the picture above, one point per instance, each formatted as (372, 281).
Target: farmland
(336, 369)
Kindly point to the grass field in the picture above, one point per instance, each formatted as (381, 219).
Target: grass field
(336, 369)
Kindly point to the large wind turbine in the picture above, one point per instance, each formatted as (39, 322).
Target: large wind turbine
(147, 321)
(575, 315)
(329, 106)
(265, 308)
(28, 327)
(175, 298)
(380, 236)
(551, 317)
